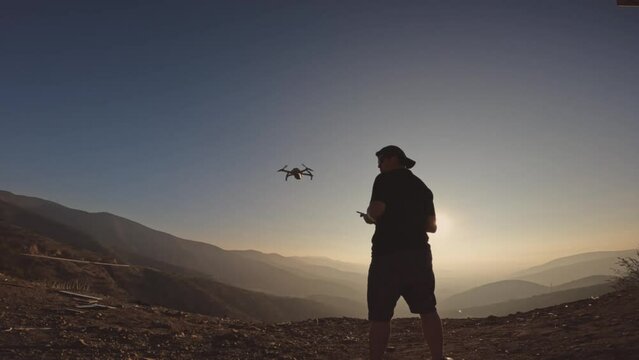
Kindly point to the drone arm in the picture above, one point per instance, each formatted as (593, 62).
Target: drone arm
(307, 172)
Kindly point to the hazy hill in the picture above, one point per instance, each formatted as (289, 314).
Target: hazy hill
(504, 297)
(574, 267)
(492, 293)
(534, 302)
(585, 282)
(353, 308)
(604, 266)
(309, 269)
(135, 242)
(151, 286)
(574, 259)
(335, 264)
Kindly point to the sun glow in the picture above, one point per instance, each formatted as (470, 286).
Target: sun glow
(445, 224)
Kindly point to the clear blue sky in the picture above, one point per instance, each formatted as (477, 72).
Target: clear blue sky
(522, 117)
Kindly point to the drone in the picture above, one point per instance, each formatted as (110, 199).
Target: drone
(297, 173)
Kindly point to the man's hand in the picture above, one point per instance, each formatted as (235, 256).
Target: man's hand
(367, 218)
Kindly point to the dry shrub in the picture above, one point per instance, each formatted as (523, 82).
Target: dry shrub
(629, 274)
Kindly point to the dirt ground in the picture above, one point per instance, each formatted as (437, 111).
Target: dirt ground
(41, 323)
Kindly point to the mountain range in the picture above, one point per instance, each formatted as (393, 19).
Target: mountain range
(139, 244)
(246, 284)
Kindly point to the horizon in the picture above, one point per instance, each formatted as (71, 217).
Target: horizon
(521, 118)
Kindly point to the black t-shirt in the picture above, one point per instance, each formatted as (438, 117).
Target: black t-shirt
(408, 203)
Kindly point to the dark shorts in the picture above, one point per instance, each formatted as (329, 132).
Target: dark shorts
(407, 273)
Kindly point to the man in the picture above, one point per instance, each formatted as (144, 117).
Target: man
(402, 210)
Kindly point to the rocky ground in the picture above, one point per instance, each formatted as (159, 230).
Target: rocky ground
(37, 322)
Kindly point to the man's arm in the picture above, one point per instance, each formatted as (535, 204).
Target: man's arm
(375, 211)
(431, 224)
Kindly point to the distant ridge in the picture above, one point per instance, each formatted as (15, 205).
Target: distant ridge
(585, 282)
(562, 273)
(492, 293)
(533, 302)
(340, 265)
(574, 259)
(505, 297)
(308, 269)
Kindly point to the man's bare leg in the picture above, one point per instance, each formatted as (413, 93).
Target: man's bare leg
(432, 327)
(378, 338)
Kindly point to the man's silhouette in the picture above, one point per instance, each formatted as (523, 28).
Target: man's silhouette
(402, 210)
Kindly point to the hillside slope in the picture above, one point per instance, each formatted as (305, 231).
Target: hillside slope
(182, 291)
(141, 245)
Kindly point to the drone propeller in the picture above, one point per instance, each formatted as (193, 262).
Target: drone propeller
(307, 168)
(282, 169)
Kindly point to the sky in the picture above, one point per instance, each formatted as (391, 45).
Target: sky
(522, 117)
